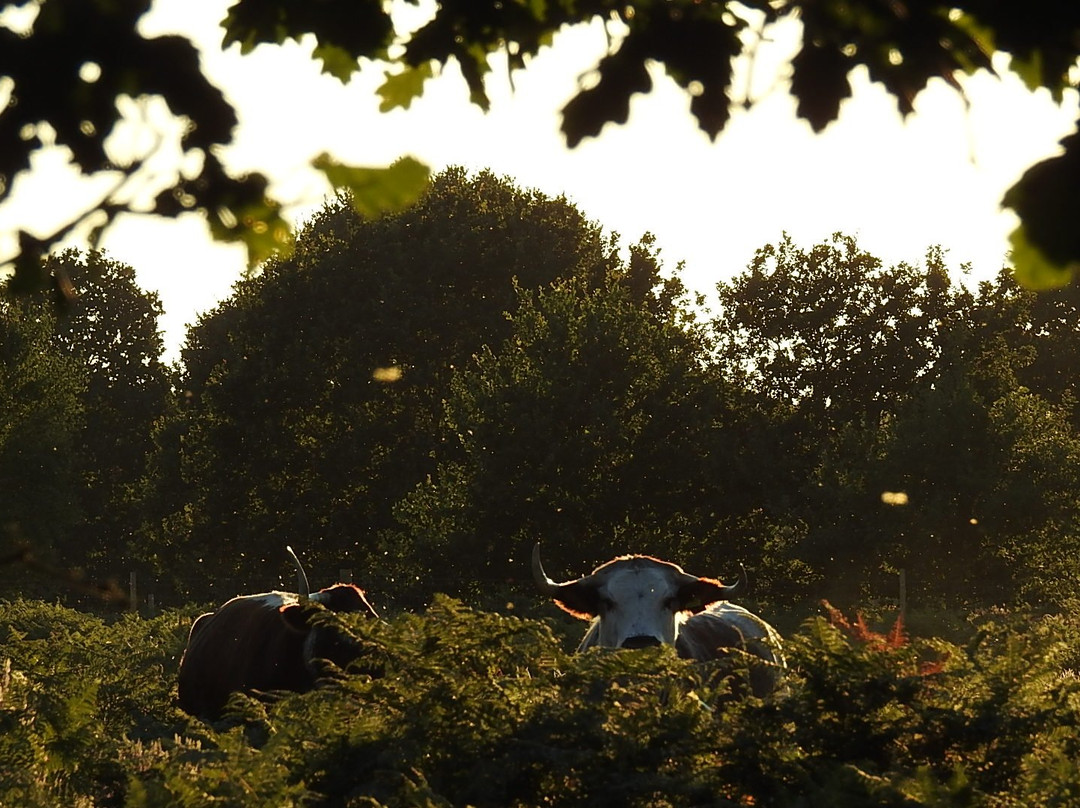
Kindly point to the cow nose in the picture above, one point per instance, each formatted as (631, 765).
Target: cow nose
(640, 641)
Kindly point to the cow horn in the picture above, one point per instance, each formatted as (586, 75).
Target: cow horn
(741, 580)
(301, 577)
(543, 583)
(724, 589)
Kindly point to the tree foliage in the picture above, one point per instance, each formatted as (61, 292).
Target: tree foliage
(85, 392)
(41, 418)
(838, 421)
(918, 445)
(829, 330)
(420, 397)
(591, 394)
(69, 79)
(902, 46)
(316, 389)
(111, 330)
(83, 71)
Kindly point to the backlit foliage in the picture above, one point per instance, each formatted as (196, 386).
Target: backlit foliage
(457, 707)
(100, 65)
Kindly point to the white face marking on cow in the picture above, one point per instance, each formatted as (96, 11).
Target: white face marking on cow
(637, 602)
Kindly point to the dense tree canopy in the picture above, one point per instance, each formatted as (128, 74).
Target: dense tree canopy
(41, 418)
(82, 396)
(97, 61)
(317, 387)
(111, 331)
(919, 446)
(419, 397)
(830, 328)
(836, 422)
(591, 393)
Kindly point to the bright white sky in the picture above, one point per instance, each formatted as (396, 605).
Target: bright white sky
(898, 186)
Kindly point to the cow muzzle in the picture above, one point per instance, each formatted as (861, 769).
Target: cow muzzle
(640, 641)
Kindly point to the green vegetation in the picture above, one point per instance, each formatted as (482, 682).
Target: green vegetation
(462, 707)
(422, 396)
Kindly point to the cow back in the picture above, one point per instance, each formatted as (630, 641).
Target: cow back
(710, 634)
(243, 646)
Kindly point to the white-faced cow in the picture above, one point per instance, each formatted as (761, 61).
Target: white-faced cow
(637, 601)
(269, 641)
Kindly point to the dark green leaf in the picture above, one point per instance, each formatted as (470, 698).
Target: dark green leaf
(820, 82)
(619, 76)
(1046, 245)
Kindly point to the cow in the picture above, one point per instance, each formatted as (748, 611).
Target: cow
(268, 641)
(637, 601)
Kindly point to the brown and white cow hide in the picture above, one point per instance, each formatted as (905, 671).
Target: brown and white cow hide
(265, 642)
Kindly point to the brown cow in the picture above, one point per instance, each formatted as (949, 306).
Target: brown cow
(269, 641)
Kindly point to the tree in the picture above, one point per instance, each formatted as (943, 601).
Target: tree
(832, 342)
(111, 331)
(829, 331)
(315, 390)
(903, 406)
(96, 59)
(1044, 327)
(41, 416)
(82, 395)
(597, 427)
(989, 470)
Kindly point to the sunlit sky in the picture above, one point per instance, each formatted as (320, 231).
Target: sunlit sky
(898, 186)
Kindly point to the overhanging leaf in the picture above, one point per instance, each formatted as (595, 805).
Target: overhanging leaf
(400, 89)
(697, 52)
(375, 191)
(336, 61)
(1030, 70)
(622, 74)
(1046, 246)
(820, 81)
(1033, 269)
(258, 226)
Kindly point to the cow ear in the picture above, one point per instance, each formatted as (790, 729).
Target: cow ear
(696, 594)
(295, 617)
(579, 599)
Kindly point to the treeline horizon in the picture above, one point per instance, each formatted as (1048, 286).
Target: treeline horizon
(420, 398)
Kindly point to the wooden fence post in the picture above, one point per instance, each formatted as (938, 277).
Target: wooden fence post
(903, 594)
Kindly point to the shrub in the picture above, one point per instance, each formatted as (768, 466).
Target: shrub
(458, 707)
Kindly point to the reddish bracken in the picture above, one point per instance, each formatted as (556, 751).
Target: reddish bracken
(895, 638)
(860, 632)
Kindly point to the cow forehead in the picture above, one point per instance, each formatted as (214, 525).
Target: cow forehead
(631, 580)
(639, 562)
